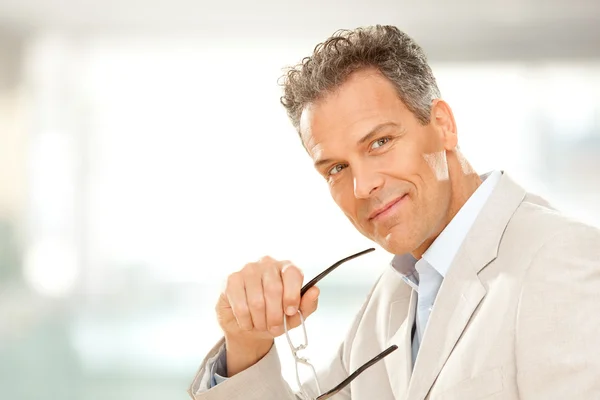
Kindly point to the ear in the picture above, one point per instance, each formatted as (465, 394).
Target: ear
(442, 119)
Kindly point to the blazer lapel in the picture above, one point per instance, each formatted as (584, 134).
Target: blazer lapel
(462, 291)
(459, 296)
(399, 362)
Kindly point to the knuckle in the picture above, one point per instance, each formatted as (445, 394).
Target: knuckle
(300, 272)
(240, 310)
(276, 319)
(273, 288)
(257, 304)
(292, 299)
(249, 269)
(293, 268)
(245, 325)
(275, 322)
(232, 280)
(260, 325)
(291, 292)
(266, 259)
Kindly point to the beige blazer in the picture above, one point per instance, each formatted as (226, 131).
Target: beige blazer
(517, 317)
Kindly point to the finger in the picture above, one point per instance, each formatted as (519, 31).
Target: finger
(308, 305)
(310, 301)
(256, 301)
(236, 295)
(292, 278)
(273, 294)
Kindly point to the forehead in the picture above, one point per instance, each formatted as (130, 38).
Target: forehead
(365, 100)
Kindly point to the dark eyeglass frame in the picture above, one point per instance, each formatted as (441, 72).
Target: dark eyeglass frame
(304, 361)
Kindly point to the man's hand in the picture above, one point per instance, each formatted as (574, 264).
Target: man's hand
(250, 309)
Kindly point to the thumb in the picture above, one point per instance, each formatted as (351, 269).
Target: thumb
(308, 305)
(310, 301)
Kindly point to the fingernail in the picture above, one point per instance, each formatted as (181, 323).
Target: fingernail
(290, 310)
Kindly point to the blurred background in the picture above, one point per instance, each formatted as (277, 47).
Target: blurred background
(144, 156)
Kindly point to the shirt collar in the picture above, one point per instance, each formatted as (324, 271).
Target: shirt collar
(442, 251)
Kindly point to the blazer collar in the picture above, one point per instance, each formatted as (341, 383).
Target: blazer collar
(460, 293)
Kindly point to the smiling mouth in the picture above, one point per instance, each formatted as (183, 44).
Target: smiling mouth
(386, 208)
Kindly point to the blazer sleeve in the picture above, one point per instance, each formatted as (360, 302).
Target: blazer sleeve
(558, 319)
(263, 380)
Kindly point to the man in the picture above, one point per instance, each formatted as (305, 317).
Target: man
(492, 293)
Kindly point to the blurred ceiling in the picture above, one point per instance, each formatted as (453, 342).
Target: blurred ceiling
(457, 30)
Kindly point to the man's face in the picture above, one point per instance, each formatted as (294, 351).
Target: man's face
(385, 170)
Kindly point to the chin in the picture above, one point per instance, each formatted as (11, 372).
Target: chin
(396, 248)
(398, 242)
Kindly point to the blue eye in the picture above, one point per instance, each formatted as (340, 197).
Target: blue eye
(336, 168)
(380, 142)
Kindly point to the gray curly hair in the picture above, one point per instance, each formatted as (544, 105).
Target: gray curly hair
(392, 52)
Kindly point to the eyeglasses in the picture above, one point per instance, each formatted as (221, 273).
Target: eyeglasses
(304, 361)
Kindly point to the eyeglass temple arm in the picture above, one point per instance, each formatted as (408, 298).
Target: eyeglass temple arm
(356, 373)
(323, 274)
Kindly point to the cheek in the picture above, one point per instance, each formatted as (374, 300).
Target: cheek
(405, 159)
(343, 195)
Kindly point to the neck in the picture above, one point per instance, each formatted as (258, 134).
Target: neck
(463, 181)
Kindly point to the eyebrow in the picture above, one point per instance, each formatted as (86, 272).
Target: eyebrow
(366, 138)
(375, 131)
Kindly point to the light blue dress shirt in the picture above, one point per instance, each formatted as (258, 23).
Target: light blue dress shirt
(426, 275)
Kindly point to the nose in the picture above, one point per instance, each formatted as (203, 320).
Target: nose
(366, 182)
